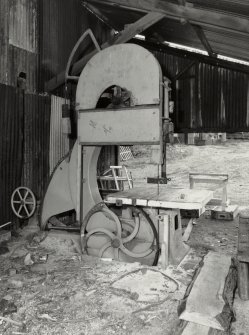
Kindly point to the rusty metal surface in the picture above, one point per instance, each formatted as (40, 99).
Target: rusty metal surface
(18, 42)
(37, 109)
(11, 147)
(23, 24)
(59, 141)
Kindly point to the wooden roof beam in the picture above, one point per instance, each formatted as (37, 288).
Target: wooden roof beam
(201, 35)
(128, 33)
(194, 15)
(95, 11)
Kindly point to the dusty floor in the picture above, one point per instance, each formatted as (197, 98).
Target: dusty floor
(58, 291)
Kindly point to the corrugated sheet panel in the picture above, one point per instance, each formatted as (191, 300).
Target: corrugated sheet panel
(18, 42)
(23, 24)
(4, 9)
(224, 95)
(207, 97)
(11, 147)
(239, 7)
(59, 140)
(108, 156)
(37, 109)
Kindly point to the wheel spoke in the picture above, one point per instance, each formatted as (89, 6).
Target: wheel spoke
(19, 210)
(103, 249)
(26, 194)
(100, 230)
(29, 203)
(26, 210)
(116, 254)
(20, 196)
(16, 202)
(114, 216)
(135, 254)
(135, 231)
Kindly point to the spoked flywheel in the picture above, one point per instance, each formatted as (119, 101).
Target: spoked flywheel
(125, 239)
(23, 202)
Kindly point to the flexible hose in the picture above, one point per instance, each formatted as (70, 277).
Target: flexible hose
(155, 233)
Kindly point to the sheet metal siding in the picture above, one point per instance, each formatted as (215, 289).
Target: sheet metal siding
(223, 99)
(18, 42)
(61, 23)
(59, 141)
(36, 142)
(207, 97)
(11, 147)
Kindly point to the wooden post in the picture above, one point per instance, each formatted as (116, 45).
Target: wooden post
(243, 280)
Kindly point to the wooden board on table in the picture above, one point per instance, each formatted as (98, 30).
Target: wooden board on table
(205, 303)
(219, 178)
(168, 197)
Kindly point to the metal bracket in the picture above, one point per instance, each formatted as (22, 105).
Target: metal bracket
(80, 40)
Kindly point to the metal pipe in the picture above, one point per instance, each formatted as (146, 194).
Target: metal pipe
(6, 224)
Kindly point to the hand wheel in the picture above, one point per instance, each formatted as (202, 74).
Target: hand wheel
(117, 242)
(23, 202)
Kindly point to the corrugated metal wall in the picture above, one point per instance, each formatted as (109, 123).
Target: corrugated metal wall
(61, 23)
(18, 42)
(59, 140)
(224, 95)
(37, 109)
(207, 97)
(24, 144)
(11, 147)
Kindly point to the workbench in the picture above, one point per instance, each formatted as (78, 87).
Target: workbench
(167, 198)
(168, 201)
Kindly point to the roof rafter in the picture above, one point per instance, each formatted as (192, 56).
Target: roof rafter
(200, 33)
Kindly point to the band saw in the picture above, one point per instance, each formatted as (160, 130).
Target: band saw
(137, 224)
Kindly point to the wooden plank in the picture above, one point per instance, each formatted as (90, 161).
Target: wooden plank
(210, 299)
(243, 240)
(208, 176)
(228, 213)
(187, 231)
(196, 329)
(133, 29)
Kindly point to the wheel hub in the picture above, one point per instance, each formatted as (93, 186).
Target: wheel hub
(115, 243)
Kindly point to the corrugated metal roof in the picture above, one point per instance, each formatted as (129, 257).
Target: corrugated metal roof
(239, 7)
(224, 24)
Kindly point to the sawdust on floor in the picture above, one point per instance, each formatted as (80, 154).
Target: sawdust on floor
(71, 294)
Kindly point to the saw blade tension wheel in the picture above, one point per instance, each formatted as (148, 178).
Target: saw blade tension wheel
(23, 202)
(119, 240)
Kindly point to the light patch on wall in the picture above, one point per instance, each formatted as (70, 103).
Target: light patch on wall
(23, 24)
